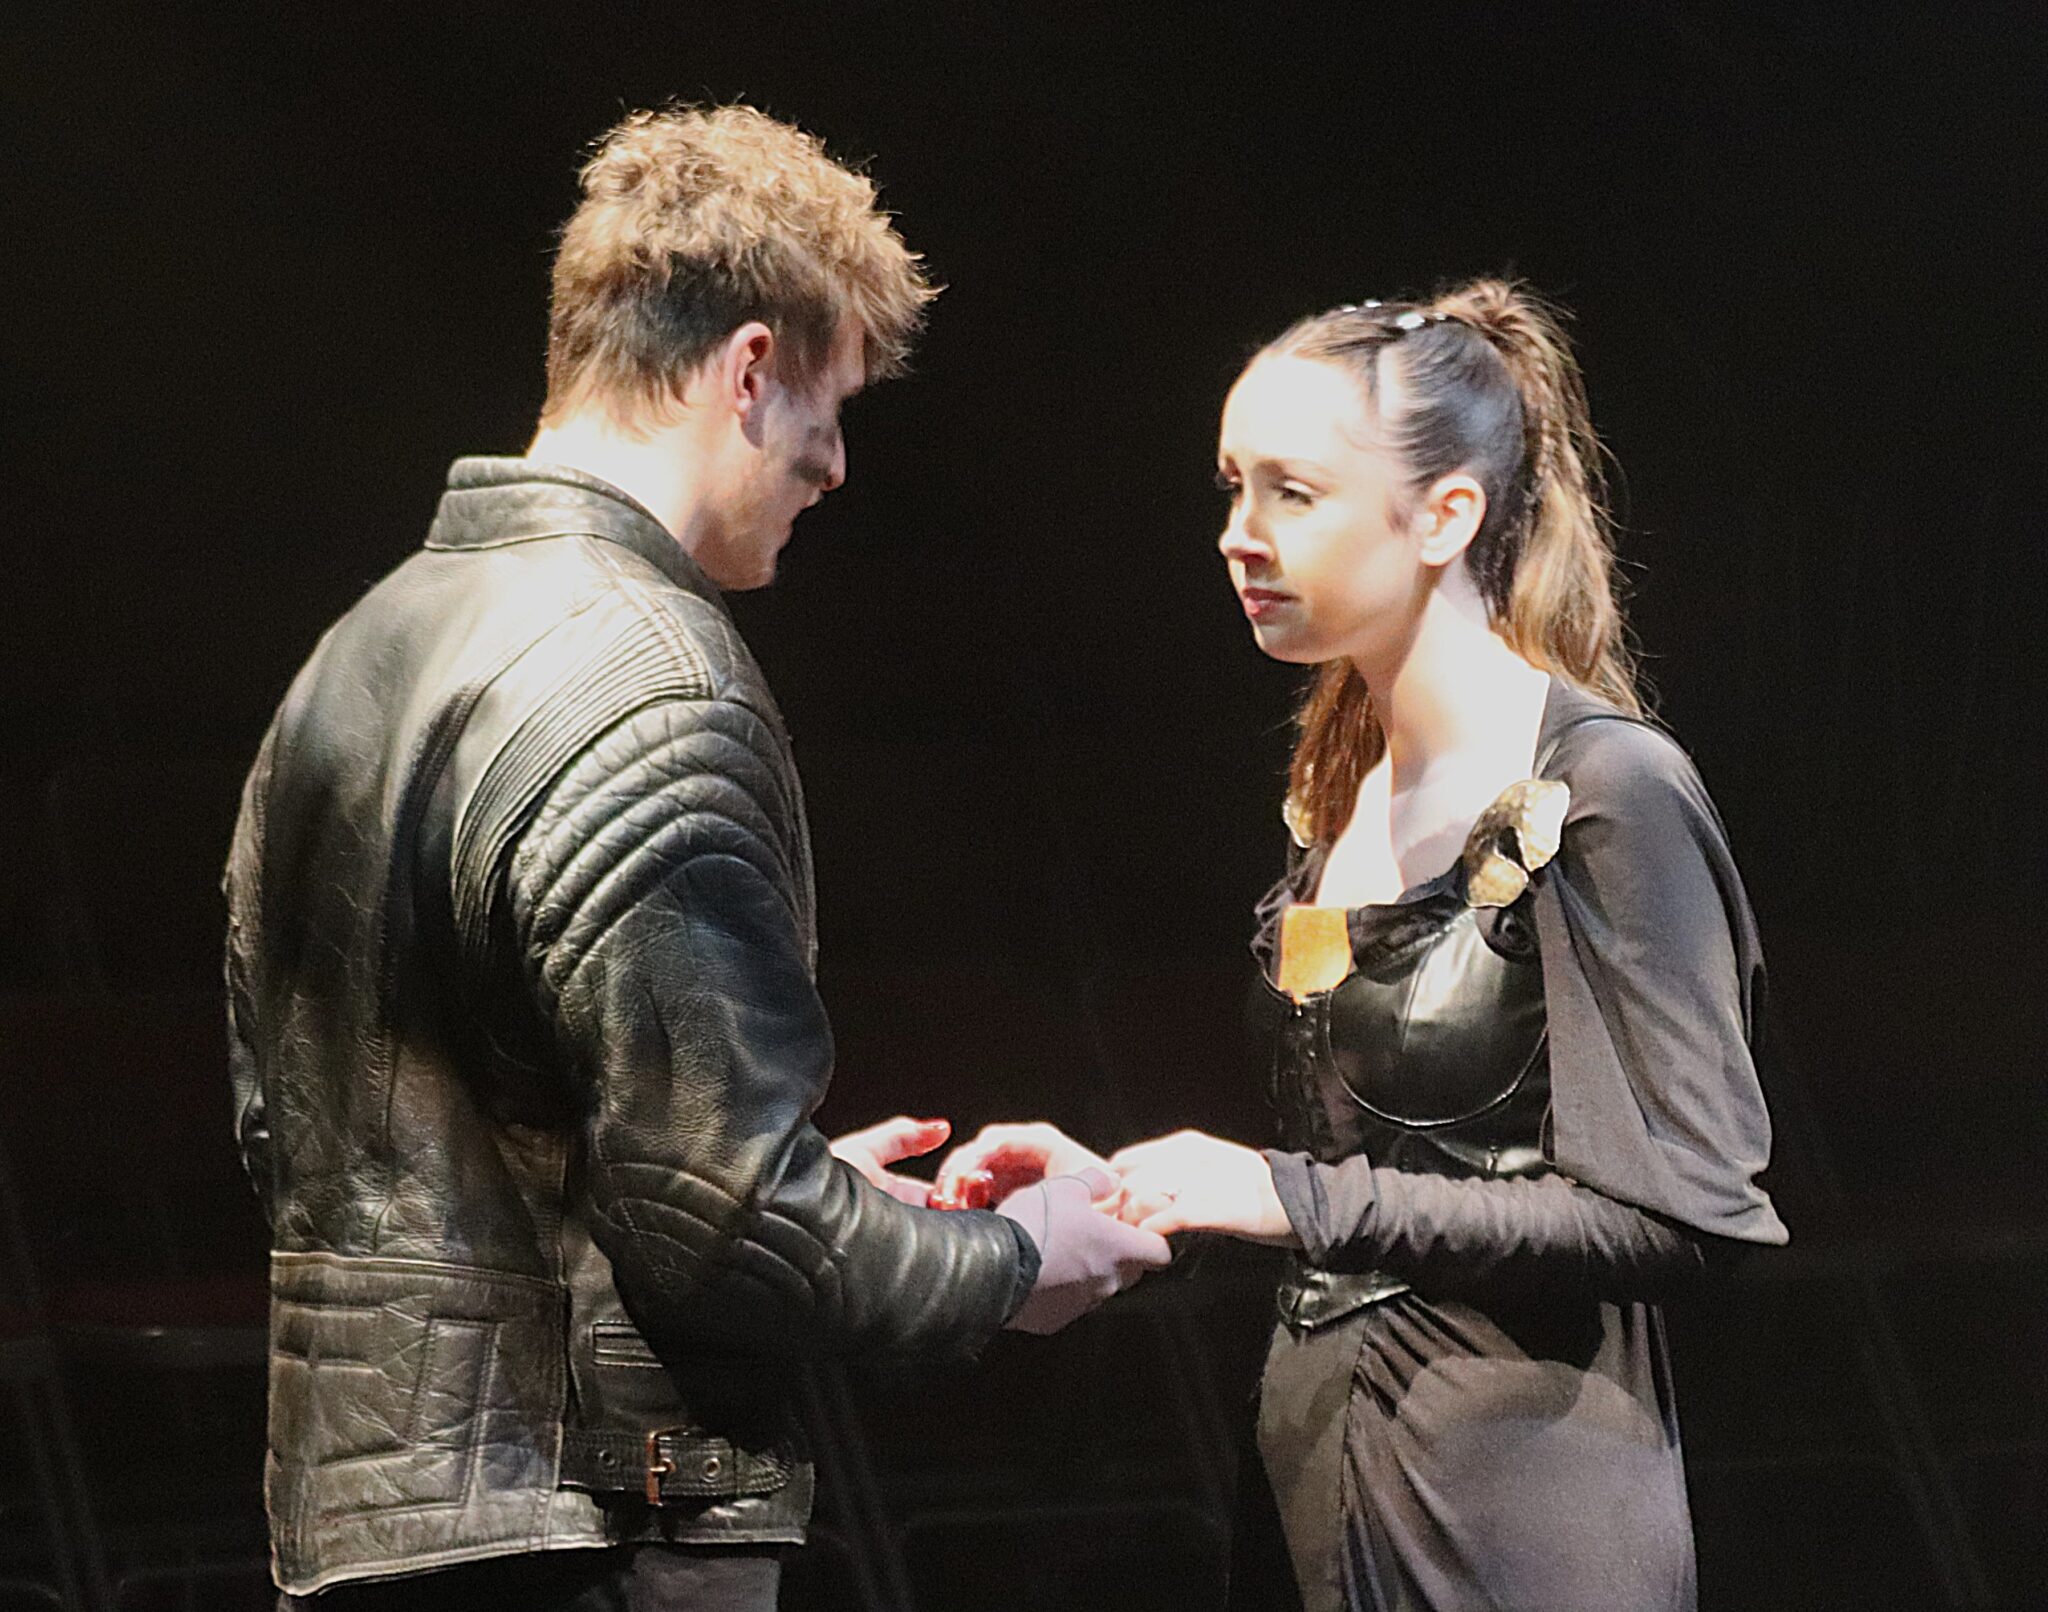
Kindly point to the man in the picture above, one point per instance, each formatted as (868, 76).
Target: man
(523, 1030)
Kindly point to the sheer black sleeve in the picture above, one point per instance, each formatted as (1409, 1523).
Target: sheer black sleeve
(1653, 982)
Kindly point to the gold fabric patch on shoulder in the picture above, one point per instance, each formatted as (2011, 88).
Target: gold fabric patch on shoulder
(1315, 950)
(1514, 837)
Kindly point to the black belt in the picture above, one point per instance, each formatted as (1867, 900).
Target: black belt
(1312, 1297)
(670, 1465)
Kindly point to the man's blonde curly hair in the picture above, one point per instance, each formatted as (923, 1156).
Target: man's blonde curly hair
(694, 221)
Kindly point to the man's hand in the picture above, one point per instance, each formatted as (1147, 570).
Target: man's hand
(1009, 1158)
(873, 1150)
(1085, 1255)
(1191, 1181)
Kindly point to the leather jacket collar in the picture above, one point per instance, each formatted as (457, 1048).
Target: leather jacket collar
(492, 501)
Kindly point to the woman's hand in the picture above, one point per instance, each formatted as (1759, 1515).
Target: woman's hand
(1003, 1159)
(873, 1150)
(1190, 1181)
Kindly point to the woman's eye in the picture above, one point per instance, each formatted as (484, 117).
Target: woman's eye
(1227, 485)
(1291, 493)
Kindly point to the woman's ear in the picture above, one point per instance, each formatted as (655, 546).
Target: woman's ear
(1449, 517)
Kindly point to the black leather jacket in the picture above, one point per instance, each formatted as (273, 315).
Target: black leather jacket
(525, 1048)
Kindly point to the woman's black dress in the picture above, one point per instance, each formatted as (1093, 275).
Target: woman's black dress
(1520, 1119)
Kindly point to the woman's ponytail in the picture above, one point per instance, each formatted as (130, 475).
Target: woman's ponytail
(1560, 609)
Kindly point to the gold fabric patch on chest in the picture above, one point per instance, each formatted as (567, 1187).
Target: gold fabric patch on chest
(1315, 950)
(1515, 836)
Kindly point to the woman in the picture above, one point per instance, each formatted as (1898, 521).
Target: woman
(1511, 978)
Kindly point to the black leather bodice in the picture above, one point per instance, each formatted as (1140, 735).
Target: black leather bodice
(1430, 1056)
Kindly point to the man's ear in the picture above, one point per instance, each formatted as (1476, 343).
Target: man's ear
(1449, 517)
(745, 367)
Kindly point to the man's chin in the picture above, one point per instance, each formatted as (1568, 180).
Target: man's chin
(759, 573)
(742, 573)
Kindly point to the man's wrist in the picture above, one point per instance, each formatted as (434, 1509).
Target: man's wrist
(1029, 1263)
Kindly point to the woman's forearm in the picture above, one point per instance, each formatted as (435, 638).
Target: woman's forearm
(1451, 1234)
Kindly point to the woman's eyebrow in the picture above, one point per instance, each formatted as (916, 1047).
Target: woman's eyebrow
(1294, 469)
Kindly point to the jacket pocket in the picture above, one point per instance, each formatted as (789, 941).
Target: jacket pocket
(618, 1343)
(388, 1384)
(448, 1391)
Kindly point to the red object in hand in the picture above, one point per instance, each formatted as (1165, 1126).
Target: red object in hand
(1012, 1170)
(974, 1190)
(1001, 1173)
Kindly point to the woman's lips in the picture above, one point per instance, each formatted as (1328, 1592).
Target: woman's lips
(1263, 601)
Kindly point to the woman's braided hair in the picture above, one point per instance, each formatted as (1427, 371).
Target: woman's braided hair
(1488, 386)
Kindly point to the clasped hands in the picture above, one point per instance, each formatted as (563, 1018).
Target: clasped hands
(1188, 1181)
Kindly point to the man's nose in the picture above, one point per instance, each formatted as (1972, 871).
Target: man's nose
(836, 477)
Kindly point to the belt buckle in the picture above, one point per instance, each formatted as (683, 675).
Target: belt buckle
(658, 1465)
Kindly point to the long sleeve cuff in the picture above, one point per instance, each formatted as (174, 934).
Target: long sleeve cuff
(1324, 1228)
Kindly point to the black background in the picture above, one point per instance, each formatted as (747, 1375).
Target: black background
(269, 270)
